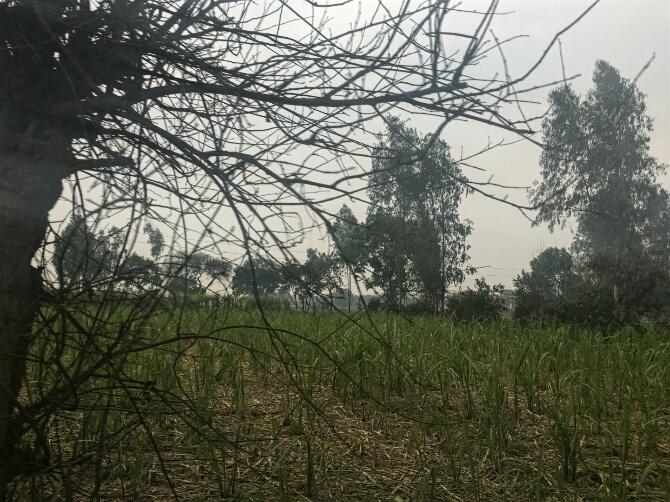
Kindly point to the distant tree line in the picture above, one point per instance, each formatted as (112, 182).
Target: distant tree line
(412, 246)
(85, 258)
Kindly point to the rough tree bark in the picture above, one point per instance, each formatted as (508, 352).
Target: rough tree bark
(35, 156)
(30, 185)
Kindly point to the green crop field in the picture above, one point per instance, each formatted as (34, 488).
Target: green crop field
(212, 404)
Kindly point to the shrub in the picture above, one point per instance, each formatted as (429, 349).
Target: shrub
(484, 302)
(376, 304)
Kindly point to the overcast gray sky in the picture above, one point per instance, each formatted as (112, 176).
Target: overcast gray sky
(624, 33)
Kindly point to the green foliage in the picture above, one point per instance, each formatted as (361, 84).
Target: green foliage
(388, 256)
(483, 303)
(375, 304)
(314, 282)
(156, 240)
(256, 277)
(349, 239)
(79, 254)
(596, 167)
(83, 257)
(550, 289)
(322, 273)
(195, 272)
(416, 242)
(269, 302)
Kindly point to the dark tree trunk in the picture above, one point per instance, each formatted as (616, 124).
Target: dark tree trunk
(348, 290)
(29, 187)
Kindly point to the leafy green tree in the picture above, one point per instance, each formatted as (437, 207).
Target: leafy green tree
(196, 272)
(259, 276)
(349, 239)
(482, 303)
(415, 191)
(217, 269)
(84, 258)
(136, 272)
(387, 256)
(156, 240)
(549, 289)
(79, 253)
(293, 283)
(322, 274)
(596, 168)
(315, 281)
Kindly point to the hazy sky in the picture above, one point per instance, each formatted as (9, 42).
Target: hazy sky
(624, 33)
